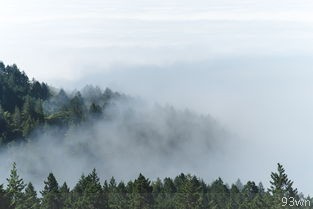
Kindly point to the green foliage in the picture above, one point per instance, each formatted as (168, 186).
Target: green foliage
(51, 197)
(141, 197)
(31, 201)
(185, 191)
(27, 105)
(281, 187)
(15, 189)
(88, 193)
(4, 199)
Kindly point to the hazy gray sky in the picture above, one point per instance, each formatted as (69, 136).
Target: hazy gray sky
(52, 39)
(247, 63)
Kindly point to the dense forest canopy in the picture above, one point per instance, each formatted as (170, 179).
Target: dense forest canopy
(28, 105)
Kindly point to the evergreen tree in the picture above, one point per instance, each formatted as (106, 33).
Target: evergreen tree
(117, 195)
(169, 190)
(31, 200)
(88, 193)
(51, 198)
(281, 187)
(218, 195)
(280, 184)
(4, 199)
(95, 110)
(158, 194)
(15, 188)
(64, 195)
(141, 193)
(77, 108)
(17, 118)
(190, 195)
(235, 197)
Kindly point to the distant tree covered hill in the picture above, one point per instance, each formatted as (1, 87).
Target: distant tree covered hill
(26, 105)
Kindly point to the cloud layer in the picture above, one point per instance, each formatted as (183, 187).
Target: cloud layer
(132, 138)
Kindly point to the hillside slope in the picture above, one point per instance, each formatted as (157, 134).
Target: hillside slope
(27, 104)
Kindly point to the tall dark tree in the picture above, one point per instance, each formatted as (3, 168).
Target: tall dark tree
(4, 199)
(31, 201)
(77, 108)
(88, 193)
(142, 193)
(64, 195)
(51, 198)
(218, 193)
(281, 186)
(15, 188)
(191, 194)
(117, 198)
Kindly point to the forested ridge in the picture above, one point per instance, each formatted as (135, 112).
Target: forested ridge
(27, 106)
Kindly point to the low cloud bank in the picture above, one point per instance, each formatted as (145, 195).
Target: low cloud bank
(131, 138)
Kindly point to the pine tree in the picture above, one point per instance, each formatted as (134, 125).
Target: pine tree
(64, 195)
(88, 193)
(190, 195)
(31, 200)
(51, 194)
(218, 193)
(95, 110)
(15, 188)
(158, 194)
(116, 195)
(77, 108)
(281, 186)
(17, 118)
(235, 197)
(142, 193)
(38, 111)
(4, 199)
(169, 190)
(27, 111)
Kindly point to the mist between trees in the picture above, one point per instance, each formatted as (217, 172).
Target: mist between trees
(44, 129)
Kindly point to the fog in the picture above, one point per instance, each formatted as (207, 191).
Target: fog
(133, 137)
(246, 63)
(264, 101)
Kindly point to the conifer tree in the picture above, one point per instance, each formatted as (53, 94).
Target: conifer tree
(51, 194)
(217, 194)
(15, 188)
(31, 200)
(116, 195)
(17, 118)
(88, 193)
(142, 193)
(169, 190)
(4, 199)
(190, 195)
(64, 195)
(235, 197)
(281, 186)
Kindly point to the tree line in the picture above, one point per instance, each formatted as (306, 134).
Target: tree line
(181, 192)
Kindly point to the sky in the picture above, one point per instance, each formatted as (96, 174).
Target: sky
(246, 63)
